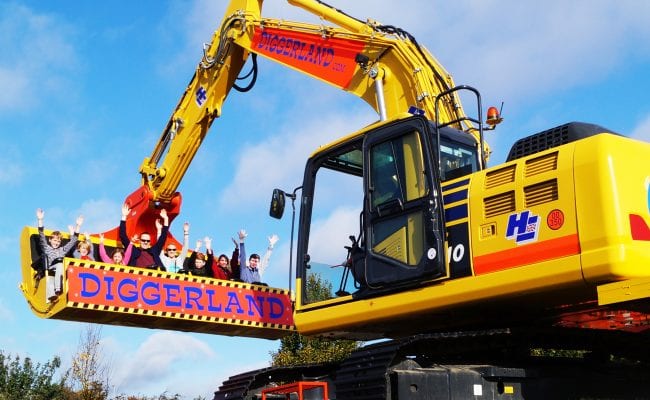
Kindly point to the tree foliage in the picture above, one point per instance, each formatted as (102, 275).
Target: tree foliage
(297, 349)
(22, 379)
(162, 396)
(90, 371)
(89, 376)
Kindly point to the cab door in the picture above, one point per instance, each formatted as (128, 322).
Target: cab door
(403, 214)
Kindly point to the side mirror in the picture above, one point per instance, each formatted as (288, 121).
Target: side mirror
(277, 204)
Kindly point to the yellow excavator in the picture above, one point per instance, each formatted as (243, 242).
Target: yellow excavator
(479, 275)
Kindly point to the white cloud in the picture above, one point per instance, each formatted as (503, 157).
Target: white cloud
(195, 26)
(328, 237)
(508, 49)
(54, 218)
(508, 46)
(41, 52)
(514, 51)
(279, 160)
(100, 215)
(384, 11)
(156, 360)
(511, 51)
(15, 84)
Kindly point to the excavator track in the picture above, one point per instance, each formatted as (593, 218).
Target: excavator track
(534, 363)
(363, 374)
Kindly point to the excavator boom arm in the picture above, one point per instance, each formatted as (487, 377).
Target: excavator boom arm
(199, 105)
(382, 65)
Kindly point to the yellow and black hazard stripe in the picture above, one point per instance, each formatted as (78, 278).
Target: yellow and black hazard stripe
(174, 315)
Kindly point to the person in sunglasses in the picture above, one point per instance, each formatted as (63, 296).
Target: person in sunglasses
(147, 255)
(171, 258)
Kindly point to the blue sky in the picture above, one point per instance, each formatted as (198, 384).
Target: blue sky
(86, 88)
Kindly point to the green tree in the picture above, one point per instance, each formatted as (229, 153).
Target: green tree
(162, 396)
(297, 349)
(22, 379)
(90, 372)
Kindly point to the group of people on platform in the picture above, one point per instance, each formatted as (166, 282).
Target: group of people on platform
(139, 251)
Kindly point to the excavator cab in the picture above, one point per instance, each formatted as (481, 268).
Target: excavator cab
(381, 189)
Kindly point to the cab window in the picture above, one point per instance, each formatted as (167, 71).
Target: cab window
(397, 178)
(456, 160)
(397, 171)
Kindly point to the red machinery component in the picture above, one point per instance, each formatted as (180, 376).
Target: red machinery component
(303, 389)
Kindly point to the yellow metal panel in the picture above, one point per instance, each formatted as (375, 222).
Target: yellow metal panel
(618, 292)
(415, 184)
(394, 246)
(415, 238)
(581, 196)
(342, 314)
(621, 167)
(406, 244)
(541, 186)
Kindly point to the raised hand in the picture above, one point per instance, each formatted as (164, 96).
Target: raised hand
(208, 243)
(164, 216)
(186, 227)
(40, 213)
(242, 235)
(125, 211)
(79, 221)
(273, 239)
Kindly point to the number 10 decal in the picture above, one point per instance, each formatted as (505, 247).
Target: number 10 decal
(456, 253)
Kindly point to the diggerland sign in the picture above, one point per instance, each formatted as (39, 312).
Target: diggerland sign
(168, 293)
(332, 59)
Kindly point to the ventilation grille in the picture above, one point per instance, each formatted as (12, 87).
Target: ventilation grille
(541, 164)
(500, 204)
(554, 137)
(540, 193)
(539, 142)
(500, 177)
